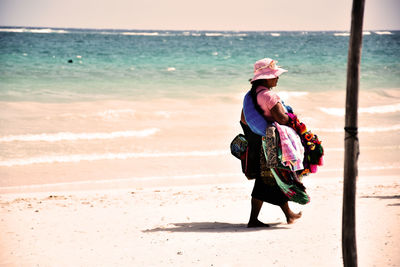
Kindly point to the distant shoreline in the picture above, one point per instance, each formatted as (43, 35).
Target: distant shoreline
(184, 30)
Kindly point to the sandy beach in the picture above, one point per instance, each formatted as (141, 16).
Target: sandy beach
(201, 225)
(175, 196)
(122, 157)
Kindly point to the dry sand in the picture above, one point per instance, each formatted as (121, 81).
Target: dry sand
(201, 225)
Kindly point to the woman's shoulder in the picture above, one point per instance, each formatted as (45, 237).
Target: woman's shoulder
(267, 93)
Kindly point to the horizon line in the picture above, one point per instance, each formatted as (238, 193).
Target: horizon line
(214, 30)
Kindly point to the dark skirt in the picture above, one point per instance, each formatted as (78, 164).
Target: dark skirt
(265, 187)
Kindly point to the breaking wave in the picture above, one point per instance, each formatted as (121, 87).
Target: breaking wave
(383, 33)
(67, 136)
(106, 156)
(370, 110)
(32, 30)
(361, 129)
(348, 34)
(141, 33)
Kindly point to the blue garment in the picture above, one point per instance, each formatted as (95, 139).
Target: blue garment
(254, 119)
(287, 108)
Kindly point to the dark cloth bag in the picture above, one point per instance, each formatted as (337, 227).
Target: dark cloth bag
(265, 187)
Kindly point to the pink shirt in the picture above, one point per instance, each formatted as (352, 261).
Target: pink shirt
(267, 99)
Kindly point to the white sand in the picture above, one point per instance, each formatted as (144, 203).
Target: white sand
(201, 225)
(198, 212)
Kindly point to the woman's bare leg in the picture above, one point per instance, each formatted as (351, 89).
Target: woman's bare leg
(291, 217)
(256, 205)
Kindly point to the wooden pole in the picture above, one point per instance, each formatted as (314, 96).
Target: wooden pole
(349, 247)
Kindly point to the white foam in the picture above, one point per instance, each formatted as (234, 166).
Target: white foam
(341, 34)
(381, 109)
(212, 34)
(333, 111)
(12, 30)
(45, 31)
(135, 33)
(115, 113)
(275, 34)
(106, 33)
(361, 129)
(40, 30)
(108, 114)
(234, 35)
(285, 95)
(371, 110)
(383, 33)
(106, 156)
(363, 148)
(32, 30)
(215, 34)
(348, 34)
(57, 31)
(171, 69)
(141, 33)
(67, 136)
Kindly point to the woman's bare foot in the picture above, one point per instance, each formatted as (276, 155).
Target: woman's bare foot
(292, 217)
(256, 223)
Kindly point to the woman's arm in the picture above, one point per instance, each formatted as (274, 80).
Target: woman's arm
(279, 115)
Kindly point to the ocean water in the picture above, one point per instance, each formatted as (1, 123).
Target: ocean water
(81, 104)
(131, 64)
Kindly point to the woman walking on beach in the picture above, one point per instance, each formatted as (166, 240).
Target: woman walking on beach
(268, 106)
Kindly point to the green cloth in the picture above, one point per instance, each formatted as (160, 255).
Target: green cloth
(293, 191)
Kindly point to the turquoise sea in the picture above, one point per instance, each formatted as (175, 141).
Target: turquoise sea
(132, 107)
(139, 64)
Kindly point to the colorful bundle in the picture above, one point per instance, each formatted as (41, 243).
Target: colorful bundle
(313, 150)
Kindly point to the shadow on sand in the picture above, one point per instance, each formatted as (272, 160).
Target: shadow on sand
(383, 197)
(212, 227)
(386, 197)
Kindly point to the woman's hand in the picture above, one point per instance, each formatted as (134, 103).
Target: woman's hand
(279, 115)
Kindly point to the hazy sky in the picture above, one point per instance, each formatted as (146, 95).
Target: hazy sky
(265, 15)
